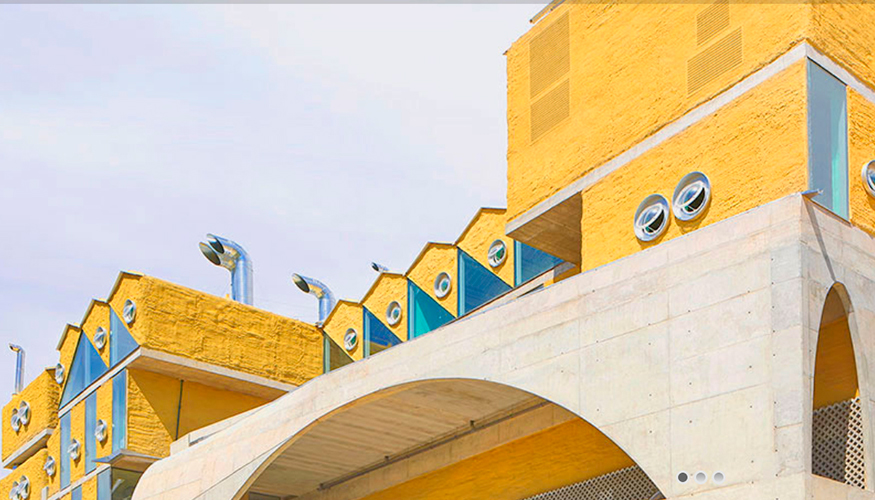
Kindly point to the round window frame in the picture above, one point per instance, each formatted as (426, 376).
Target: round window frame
(129, 311)
(100, 338)
(389, 319)
(870, 189)
(652, 200)
(437, 281)
(686, 181)
(489, 253)
(60, 373)
(347, 345)
(50, 466)
(24, 413)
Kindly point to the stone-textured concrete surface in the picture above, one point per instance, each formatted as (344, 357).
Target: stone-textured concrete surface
(696, 354)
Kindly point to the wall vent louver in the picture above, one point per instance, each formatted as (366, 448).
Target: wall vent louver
(549, 110)
(549, 64)
(714, 61)
(711, 21)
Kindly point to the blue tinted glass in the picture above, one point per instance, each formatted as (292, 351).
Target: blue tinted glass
(77, 493)
(119, 411)
(65, 443)
(123, 483)
(377, 335)
(90, 424)
(477, 285)
(104, 485)
(424, 313)
(85, 369)
(120, 341)
(335, 356)
(530, 262)
(828, 139)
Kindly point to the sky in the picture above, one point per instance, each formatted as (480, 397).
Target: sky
(320, 138)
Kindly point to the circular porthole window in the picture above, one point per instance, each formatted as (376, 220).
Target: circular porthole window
(15, 420)
(350, 339)
(100, 431)
(49, 466)
(442, 285)
(100, 338)
(59, 373)
(869, 178)
(651, 218)
(393, 313)
(497, 253)
(691, 196)
(13, 492)
(73, 449)
(24, 413)
(129, 312)
(23, 488)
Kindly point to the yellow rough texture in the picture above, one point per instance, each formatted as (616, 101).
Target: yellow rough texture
(628, 75)
(97, 316)
(203, 405)
(486, 227)
(754, 150)
(435, 259)
(194, 325)
(77, 432)
(89, 489)
(32, 468)
(861, 150)
(153, 400)
(346, 315)
(559, 456)
(843, 31)
(104, 412)
(386, 289)
(67, 350)
(53, 449)
(42, 396)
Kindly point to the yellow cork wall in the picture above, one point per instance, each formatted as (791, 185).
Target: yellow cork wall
(388, 287)
(344, 316)
(434, 259)
(627, 73)
(153, 401)
(104, 412)
(42, 396)
(562, 455)
(67, 349)
(53, 449)
(194, 325)
(77, 432)
(843, 31)
(762, 135)
(33, 470)
(861, 150)
(486, 227)
(203, 405)
(96, 317)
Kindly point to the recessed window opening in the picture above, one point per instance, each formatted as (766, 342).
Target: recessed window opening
(651, 218)
(350, 339)
(691, 196)
(393, 313)
(442, 285)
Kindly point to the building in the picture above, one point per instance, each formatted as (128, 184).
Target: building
(677, 302)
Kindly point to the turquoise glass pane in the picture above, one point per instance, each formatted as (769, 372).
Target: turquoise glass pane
(76, 494)
(120, 341)
(477, 285)
(65, 444)
(530, 262)
(377, 335)
(90, 425)
(828, 139)
(424, 313)
(104, 485)
(85, 369)
(119, 411)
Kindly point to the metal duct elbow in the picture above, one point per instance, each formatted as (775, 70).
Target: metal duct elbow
(228, 254)
(319, 290)
(19, 367)
(379, 268)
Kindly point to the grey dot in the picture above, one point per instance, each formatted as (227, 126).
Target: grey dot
(718, 477)
(683, 477)
(701, 477)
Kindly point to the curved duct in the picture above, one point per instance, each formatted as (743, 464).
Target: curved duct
(228, 254)
(19, 367)
(319, 290)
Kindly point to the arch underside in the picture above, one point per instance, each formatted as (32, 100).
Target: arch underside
(451, 439)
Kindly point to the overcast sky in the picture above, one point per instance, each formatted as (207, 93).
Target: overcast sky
(319, 137)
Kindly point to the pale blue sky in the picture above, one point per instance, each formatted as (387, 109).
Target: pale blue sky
(319, 137)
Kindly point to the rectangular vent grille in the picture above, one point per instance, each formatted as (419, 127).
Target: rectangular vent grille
(549, 110)
(549, 57)
(714, 61)
(712, 21)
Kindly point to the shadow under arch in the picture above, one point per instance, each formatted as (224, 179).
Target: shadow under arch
(839, 435)
(449, 438)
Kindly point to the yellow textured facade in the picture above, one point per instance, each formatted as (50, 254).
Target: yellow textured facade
(387, 288)
(104, 412)
(762, 136)
(53, 449)
(42, 396)
(486, 227)
(67, 350)
(843, 31)
(346, 315)
(861, 150)
(153, 400)
(628, 77)
(562, 455)
(32, 469)
(77, 432)
(434, 259)
(97, 317)
(194, 325)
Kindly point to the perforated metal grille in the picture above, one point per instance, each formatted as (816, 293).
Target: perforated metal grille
(549, 110)
(625, 484)
(838, 443)
(549, 57)
(714, 61)
(712, 21)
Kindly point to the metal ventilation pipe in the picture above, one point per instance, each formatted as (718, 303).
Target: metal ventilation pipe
(228, 254)
(379, 268)
(19, 367)
(317, 289)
